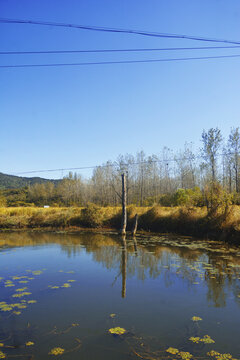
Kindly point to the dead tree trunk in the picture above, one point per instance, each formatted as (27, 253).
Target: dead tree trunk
(135, 224)
(124, 205)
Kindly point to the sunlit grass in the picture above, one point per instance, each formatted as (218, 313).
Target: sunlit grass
(183, 220)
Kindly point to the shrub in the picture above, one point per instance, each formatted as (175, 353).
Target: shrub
(3, 201)
(217, 199)
(92, 216)
(181, 197)
(166, 200)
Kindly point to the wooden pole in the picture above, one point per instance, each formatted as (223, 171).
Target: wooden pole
(135, 224)
(124, 205)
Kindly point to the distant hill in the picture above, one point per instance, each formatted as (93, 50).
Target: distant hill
(15, 182)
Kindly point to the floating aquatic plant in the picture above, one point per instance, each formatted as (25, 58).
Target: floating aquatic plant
(185, 355)
(29, 343)
(66, 285)
(56, 351)
(117, 331)
(219, 356)
(37, 272)
(6, 308)
(22, 294)
(53, 287)
(21, 306)
(21, 289)
(196, 318)
(213, 353)
(195, 339)
(19, 277)
(172, 350)
(2, 355)
(206, 339)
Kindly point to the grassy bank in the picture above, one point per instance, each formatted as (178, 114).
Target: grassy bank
(181, 220)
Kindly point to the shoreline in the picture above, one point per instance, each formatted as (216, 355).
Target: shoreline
(153, 221)
(224, 237)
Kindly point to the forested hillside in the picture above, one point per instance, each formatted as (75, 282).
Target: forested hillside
(15, 182)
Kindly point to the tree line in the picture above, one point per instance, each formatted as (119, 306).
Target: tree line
(167, 179)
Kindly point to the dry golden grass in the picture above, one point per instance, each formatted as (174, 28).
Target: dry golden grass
(182, 220)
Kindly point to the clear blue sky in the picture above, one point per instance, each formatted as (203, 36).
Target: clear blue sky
(80, 116)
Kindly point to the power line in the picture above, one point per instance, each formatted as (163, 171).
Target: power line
(192, 158)
(120, 62)
(115, 50)
(117, 30)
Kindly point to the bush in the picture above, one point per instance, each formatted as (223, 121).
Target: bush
(92, 216)
(236, 198)
(217, 200)
(150, 219)
(3, 201)
(188, 197)
(166, 200)
(181, 197)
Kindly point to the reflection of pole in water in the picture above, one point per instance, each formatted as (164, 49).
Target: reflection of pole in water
(134, 230)
(135, 245)
(124, 266)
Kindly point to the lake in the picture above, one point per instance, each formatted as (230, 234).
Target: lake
(173, 297)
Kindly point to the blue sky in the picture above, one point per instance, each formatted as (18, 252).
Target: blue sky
(81, 116)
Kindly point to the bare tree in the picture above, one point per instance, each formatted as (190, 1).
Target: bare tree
(212, 141)
(234, 150)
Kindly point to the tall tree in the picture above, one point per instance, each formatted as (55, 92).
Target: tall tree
(212, 141)
(234, 151)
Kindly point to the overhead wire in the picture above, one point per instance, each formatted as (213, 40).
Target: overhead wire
(117, 30)
(120, 62)
(116, 164)
(116, 50)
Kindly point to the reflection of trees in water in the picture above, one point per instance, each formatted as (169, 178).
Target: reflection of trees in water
(218, 269)
(223, 276)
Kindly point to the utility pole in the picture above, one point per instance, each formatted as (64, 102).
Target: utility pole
(124, 205)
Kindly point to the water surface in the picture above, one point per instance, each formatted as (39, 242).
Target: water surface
(67, 291)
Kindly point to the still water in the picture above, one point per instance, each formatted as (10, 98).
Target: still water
(60, 294)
